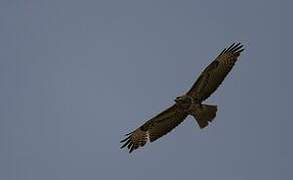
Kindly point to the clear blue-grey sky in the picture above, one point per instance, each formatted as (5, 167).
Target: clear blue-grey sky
(76, 76)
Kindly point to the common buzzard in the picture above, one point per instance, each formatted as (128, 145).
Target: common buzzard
(189, 103)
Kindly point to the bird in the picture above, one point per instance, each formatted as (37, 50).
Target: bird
(191, 103)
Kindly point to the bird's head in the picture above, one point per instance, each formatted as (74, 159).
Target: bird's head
(184, 101)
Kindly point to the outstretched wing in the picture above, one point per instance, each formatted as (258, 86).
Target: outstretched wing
(214, 74)
(154, 128)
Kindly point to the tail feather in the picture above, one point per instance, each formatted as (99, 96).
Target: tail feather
(205, 114)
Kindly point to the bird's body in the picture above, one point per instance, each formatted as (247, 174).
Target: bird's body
(189, 103)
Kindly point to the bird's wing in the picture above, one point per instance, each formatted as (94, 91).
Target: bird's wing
(214, 74)
(154, 128)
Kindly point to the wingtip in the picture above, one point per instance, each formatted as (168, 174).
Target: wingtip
(129, 133)
(235, 48)
(123, 140)
(126, 143)
(240, 50)
(231, 46)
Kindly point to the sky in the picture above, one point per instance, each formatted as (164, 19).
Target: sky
(75, 76)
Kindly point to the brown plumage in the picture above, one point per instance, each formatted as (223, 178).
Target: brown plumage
(188, 104)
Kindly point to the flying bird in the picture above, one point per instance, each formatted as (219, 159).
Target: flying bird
(188, 104)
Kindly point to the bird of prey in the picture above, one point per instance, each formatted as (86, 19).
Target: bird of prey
(189, 103)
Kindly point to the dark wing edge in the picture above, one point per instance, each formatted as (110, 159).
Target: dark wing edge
(224, 62)
(234, 49)
(154, 128)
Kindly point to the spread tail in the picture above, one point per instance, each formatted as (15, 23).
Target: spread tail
(204, 114)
